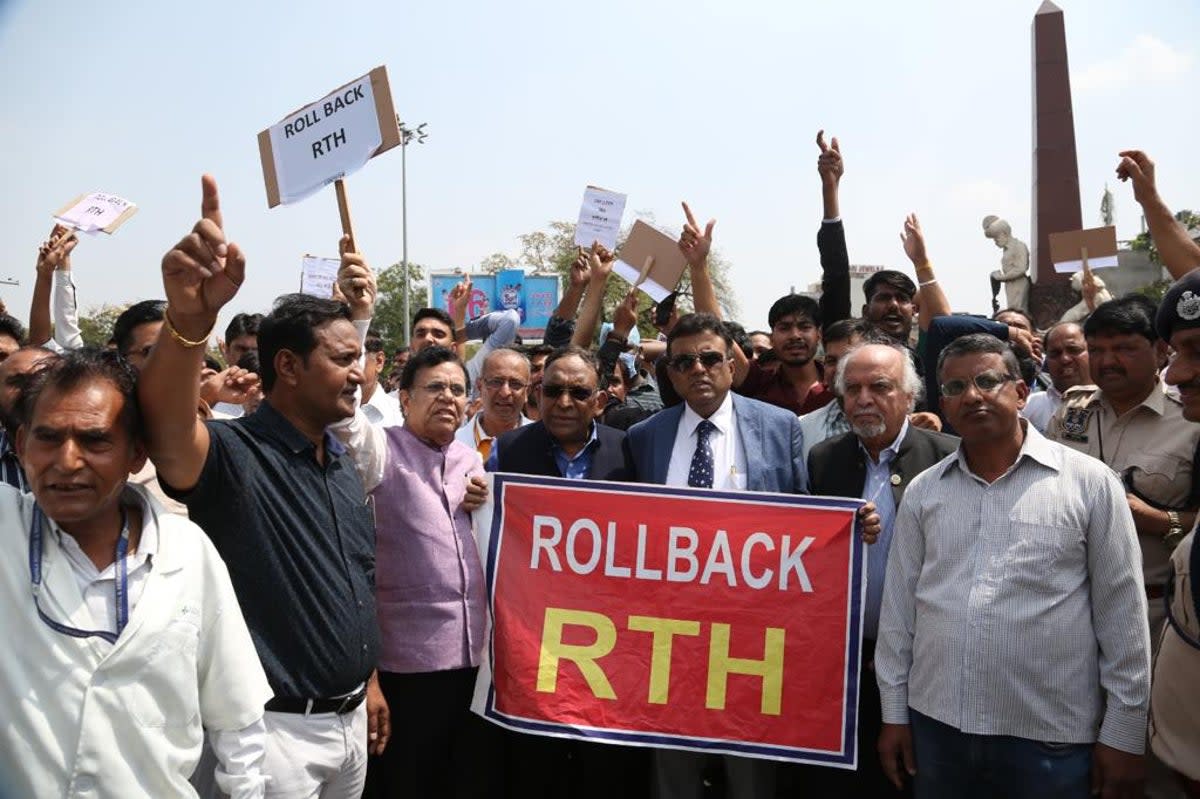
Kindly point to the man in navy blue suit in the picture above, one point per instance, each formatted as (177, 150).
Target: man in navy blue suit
(721, 440)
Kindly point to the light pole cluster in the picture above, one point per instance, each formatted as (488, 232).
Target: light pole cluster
(418, 136)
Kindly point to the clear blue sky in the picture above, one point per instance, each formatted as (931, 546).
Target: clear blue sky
(713, 102)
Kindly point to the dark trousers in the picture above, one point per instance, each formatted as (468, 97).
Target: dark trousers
(439, 748)
(867, 781)
(543, 767)
(953, 763)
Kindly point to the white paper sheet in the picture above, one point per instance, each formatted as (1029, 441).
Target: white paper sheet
(94, 212)
(317, 276)
(599, 218)
(327, 140)
(630, 274)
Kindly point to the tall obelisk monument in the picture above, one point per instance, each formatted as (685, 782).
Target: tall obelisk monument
(1055, 165)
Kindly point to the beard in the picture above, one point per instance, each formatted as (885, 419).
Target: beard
(869, 427)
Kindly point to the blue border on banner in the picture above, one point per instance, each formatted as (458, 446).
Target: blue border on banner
(847, 758)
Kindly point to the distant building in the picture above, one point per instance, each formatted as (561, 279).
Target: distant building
(858, 276)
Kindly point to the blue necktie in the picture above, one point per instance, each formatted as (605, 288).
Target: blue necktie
(701, 473)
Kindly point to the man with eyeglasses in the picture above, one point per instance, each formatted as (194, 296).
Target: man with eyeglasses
(1013, 656)
(715, 439)
(429, 583)
(568, 442)
(125, 638)
(504, 385)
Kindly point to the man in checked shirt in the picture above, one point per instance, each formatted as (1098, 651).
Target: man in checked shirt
(1013, 655)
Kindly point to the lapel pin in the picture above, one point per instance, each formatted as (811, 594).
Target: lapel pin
(896, 479)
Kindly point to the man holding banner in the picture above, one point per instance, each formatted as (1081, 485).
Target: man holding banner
(717, 440)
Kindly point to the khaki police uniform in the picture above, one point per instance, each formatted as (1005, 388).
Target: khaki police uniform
(1153, 443)
(1175, 700)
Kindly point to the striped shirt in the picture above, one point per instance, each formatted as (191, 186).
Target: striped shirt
(11, 472)
(1017, 608)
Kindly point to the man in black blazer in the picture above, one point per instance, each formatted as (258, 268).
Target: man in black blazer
(568, 442)
(878, 387)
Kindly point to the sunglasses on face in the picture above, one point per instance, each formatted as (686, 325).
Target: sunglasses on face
(578, 393)
(684, 363)
(986, 382)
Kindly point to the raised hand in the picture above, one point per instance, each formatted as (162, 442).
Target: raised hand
(231, 385)
(356, 281)
(55, 252)
(625, 315)
(914, 241)
(692, 244)
(460, 298)
(1136, 166)
(203, 272)
(581, 270)
(600, 263)
(829, 163)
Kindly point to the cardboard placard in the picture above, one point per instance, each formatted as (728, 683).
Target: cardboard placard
(98, 212)
(599, 217)
(329, 139)
(1067, 249)
(665, 268)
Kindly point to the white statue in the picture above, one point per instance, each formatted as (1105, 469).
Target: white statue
(1082, 309)
(1014, 263)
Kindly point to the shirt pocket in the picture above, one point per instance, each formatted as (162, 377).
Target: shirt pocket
(1162, 477)
(166, 691)
(1044, 557)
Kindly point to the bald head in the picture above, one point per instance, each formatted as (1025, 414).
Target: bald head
(504, 387)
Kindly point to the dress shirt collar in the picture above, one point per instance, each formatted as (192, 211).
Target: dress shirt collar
(1155, 401)
(592, 442)
(888, 453)
(147, 547)
(722, 417)
(481, 435)
(1035, 446)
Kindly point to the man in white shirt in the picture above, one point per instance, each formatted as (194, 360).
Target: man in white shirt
(1067, 365)
(380, 408)
(126, 639)
(503, 387)
(1013, 656)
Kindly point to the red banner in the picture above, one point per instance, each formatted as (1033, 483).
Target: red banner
(673, 617)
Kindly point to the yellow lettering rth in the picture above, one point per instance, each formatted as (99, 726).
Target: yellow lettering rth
(664, 631)
(584, 657)
(770, 669)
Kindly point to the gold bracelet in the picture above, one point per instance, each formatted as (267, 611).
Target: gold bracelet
(176, 335)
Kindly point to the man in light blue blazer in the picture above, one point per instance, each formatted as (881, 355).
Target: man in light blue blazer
(714, 439)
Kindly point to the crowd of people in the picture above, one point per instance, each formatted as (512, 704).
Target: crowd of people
(260, 577)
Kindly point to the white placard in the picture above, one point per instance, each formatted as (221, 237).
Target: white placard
(1106, 262)
(317, 276)
(94, 212)
(599, 218)
(631, 274)
(327, 140)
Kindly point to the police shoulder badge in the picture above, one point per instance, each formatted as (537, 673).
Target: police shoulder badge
(1075, 424)
(1188, 307)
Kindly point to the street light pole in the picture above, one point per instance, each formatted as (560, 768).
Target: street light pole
(407, 134)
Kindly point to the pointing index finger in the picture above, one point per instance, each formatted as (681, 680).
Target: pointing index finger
(210, 204)
(691, 220)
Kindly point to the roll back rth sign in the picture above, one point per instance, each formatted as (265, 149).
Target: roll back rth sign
(672, 617)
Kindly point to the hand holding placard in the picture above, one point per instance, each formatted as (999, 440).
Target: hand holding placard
(356, 281)
(202, 272)
(55, 252)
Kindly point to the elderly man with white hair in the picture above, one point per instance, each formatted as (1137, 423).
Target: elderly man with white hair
(878, 387)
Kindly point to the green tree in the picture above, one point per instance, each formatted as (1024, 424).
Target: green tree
(389, 304)
(96, 324)
(1144, 243)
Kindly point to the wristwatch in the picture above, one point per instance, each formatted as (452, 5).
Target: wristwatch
(1175, 530)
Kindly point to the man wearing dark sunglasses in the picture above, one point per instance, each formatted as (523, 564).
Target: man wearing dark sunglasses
(720, 440)
(568, 442)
